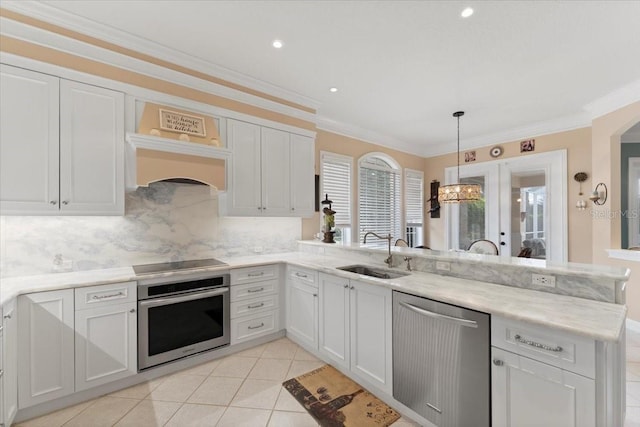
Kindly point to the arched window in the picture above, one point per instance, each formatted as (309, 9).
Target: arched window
(379, 192)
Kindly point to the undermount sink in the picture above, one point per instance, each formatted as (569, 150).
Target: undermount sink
(379, 273)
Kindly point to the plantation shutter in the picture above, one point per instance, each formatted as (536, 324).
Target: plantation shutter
(336, 183)
(379, 200)
(414, 197)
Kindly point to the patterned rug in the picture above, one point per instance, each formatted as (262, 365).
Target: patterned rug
(336, 401)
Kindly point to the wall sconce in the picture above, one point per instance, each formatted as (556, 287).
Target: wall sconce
(581, 177)
(599, 195)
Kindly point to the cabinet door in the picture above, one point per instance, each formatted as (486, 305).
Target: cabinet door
(244, 182)
(106, 339)
(91, 149)
(45, 345)
(302, 175)
(9, 363)
(333, 340)
(275, 172)
(371, 340)
(302, 313)
(530, 393)
(29, 135)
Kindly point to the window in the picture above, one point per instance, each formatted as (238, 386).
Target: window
(379, 197)
(335, 178)
(414, 206)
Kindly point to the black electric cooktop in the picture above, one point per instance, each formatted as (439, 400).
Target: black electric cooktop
(176, 265)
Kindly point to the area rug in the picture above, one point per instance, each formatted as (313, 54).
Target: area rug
(336, 401)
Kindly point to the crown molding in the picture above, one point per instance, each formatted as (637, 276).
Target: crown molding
(547, 127)
(614, 100)
(362, 134)
(106, 33)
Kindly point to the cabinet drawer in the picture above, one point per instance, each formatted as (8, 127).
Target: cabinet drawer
(103, 295)
(254, 274)
(253, 290)
(249, 327)
(303, 275)
(557, 348)
(254, 305)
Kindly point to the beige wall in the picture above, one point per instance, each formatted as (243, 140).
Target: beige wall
(355, 148)
(606, 225)
(578, 146)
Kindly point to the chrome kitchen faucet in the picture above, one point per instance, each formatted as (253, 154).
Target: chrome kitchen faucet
(388, 238)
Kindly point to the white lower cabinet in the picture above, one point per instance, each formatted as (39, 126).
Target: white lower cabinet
(254, 302)
(72, 340)
(533, 383)
(45, 346)
(355, 328)
(8, 364)
(106, 334)
(302, 306)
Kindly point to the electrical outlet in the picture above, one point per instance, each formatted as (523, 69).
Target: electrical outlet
(444, 266)
(543, 280)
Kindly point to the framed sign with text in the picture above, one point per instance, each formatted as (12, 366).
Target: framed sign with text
(182, 123)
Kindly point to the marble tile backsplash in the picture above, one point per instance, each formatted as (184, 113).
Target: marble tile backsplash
(163, 222)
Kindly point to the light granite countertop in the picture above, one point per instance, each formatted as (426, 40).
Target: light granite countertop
(598, 320)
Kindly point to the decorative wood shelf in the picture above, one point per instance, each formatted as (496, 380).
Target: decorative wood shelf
(157, 143)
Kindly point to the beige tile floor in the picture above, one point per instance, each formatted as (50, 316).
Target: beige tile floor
(244, 389)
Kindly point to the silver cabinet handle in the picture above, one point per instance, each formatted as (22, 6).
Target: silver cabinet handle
(256, 274)
(65, 202)
(556, 349)
(256, 306)
(498, 362)
(301, 275)
(133, 310)
(264, 208)
(99, 297)
(351, 287)
(1, 372)
(259, 208)
(293, 209)
(345, 286)
(457, 320)
(253, 291)
(54, 202)
(315, 295)
(7, 316)
(256, 327)
(1, 328)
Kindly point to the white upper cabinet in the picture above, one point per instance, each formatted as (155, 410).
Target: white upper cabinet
(271, 173)
(302, 154)
(61, 146)
(29, 141)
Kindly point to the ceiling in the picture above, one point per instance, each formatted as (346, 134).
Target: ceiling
(403, 67)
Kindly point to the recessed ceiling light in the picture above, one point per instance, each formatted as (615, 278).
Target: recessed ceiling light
(467, 12)
(333, 89)
(277, 44)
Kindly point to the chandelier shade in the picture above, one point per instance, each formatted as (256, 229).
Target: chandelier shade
(456, 193)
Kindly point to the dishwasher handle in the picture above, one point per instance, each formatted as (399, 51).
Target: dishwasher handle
(456, 320)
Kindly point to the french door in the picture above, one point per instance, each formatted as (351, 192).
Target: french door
(523, 206)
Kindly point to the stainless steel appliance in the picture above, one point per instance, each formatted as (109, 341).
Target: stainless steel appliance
(441, 355)
(181, 316)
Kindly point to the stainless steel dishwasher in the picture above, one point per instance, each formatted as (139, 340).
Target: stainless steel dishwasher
(441, 356)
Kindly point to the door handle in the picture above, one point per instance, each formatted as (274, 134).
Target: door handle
(461, 322)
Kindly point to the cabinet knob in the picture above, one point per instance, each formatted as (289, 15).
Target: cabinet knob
(498, 362)
(315, 295)
(133, 310)
(7, 316)
(65, 202)
(264, 208)
(293, 209)
(54, 202)
(351, 287)
(259, 208)
(502, 243)
(345, 286)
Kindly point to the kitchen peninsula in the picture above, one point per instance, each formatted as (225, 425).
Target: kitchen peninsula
(585, 318)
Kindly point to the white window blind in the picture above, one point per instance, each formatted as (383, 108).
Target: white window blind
(414, 206)
(378, 199)
(336, 183)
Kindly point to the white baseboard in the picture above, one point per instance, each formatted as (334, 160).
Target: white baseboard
(633, 325)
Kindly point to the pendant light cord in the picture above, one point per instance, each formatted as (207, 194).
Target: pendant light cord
(458, 153)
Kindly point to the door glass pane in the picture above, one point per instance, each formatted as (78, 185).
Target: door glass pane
(528, 213)
(472, 216)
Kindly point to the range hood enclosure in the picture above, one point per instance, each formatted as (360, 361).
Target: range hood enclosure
(157, 154)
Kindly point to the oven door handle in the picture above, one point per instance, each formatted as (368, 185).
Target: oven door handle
(182, 298)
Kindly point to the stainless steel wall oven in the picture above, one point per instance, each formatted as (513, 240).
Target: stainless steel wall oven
(181, 317)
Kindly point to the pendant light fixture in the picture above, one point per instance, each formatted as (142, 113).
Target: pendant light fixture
(456, 193)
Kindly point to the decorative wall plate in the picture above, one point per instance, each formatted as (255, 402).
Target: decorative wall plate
(496, 151)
